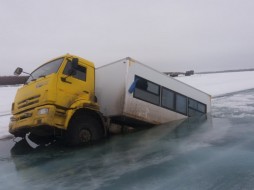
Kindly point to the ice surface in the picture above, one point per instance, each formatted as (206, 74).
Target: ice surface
(198, 154)
(239, 105)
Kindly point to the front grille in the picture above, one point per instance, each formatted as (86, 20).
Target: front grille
(26, 115)
(28, 102)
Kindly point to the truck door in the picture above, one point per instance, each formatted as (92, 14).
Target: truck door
(73, 85)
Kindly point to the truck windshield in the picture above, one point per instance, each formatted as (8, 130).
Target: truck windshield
(44, 70)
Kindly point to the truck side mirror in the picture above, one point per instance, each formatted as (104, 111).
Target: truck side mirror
(18, 71)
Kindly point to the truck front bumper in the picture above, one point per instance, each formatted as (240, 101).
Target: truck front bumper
(41, 120)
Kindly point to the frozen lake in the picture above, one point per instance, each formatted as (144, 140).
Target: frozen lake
(214, 152)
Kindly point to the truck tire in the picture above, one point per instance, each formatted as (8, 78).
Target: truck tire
(84, 130)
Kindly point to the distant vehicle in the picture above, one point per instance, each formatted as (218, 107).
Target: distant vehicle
(176, 74)
(68, 97)
(189, 73)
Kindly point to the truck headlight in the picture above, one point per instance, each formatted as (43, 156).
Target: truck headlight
(43, 111)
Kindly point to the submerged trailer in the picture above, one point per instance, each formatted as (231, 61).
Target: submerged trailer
(131, 93)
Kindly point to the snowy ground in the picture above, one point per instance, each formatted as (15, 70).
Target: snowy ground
(215, 84)
(219, 84)
(7, 95)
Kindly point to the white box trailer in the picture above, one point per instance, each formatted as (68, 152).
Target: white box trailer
(132, 93)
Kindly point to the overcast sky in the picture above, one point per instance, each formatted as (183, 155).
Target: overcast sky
(168, 35)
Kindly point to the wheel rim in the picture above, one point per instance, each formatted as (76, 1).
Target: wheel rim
(85, 135)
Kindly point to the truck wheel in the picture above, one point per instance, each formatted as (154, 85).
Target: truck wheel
(85, 136)
(84, 130)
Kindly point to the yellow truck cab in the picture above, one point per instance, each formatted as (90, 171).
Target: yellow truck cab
(59, 99)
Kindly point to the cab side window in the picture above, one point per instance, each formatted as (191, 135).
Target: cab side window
(80, 73)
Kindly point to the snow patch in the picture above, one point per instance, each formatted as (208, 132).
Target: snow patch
(218, 84)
